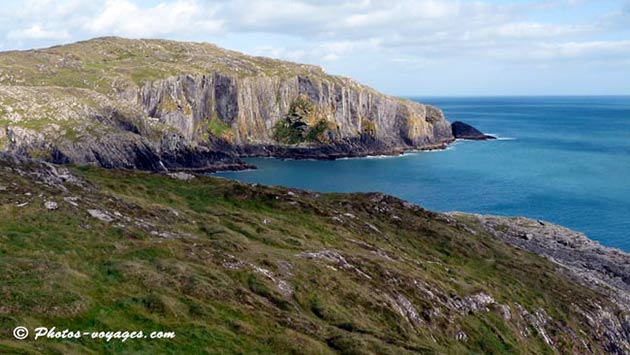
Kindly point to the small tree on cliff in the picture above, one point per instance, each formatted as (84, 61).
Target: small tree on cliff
(303, 123)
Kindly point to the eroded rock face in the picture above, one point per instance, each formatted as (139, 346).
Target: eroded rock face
(209, 108)
(83, 127)
(250, 107)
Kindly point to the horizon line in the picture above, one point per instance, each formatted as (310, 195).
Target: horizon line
(510, 95)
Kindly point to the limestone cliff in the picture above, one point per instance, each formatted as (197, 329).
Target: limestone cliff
(151, 104)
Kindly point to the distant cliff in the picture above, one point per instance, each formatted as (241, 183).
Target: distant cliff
(150, 104)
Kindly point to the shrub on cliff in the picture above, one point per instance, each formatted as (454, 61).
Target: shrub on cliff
(303, 123)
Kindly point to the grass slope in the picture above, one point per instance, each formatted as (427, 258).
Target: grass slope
(109, 64)
(223, 265)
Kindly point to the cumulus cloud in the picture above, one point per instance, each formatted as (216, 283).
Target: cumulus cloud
(36, 32)
(334, 29)
(403, 34)
(424, 29)
(124, 18)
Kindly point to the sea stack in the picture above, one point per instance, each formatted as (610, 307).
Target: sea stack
(463, 130)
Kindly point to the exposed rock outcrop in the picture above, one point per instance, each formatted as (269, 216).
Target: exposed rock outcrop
(591, 263)
(604, 269)
(155, 105)
(463, 130)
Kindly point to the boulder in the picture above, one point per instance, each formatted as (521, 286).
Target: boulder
(51, 205)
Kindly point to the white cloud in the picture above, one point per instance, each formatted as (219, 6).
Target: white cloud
(326, 51)
(592, 49)
(426, 28)
(36, 32)
(398, 35)
(536, 30)
(124, 18)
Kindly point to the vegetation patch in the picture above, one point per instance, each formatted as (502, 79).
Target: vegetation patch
(219, 129)
(368, 127)
(303, 123)
(169, 104)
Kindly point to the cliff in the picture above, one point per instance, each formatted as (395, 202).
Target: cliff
(150, 104)
(237, 268)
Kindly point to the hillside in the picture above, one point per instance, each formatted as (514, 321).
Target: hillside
(237, 268)
(155, 104)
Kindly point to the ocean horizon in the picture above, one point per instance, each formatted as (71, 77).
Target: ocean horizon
(562, 159)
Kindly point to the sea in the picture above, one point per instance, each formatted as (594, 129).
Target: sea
(565, 160)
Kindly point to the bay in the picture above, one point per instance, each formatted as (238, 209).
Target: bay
(561, 159)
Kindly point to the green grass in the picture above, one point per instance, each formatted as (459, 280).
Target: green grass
(66, 269)
(97, 64)
(218, 128)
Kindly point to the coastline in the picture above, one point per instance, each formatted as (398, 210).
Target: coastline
(349, 149)
(315, 153)
(586, 260)
(215, 168)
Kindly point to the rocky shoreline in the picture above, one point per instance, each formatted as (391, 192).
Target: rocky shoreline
(585, 261)
(329, 152)
(350, 148)
(590, 263)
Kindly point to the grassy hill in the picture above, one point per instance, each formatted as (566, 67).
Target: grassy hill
(236, 268)
(149, 103)
(110, 63)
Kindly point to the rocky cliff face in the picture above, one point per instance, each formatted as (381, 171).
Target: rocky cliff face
(252, 106)
(151, 104)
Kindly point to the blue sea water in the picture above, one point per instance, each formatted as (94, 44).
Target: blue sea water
(560, 159)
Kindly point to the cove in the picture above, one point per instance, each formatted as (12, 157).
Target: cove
(561, 159)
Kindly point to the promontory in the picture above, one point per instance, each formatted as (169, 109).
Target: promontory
(158, 104)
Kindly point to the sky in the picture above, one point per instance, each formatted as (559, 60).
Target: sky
(405, 48)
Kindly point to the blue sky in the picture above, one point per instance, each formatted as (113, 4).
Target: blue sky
(407, 47)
